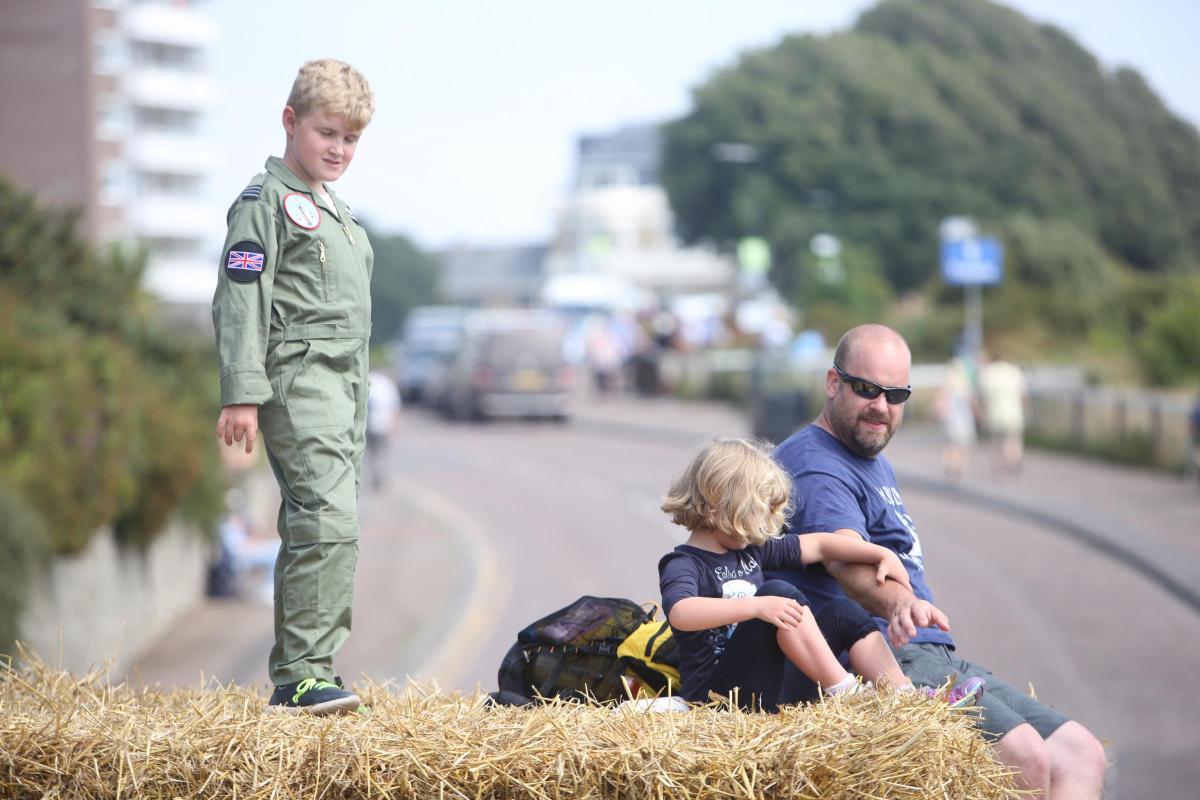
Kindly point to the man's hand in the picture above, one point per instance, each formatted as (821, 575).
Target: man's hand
(909, 613)
(782, 612)
(236, 422)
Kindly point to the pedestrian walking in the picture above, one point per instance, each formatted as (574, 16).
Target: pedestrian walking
(383, 411)
(1005, 398)
(956, 407)
(292, 313)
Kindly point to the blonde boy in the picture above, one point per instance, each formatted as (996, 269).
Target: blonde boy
(292, 313)
(737, 632)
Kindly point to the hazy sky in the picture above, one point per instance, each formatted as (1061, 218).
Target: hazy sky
(479, 102)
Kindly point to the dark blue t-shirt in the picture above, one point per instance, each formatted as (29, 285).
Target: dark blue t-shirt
(689, 571)
(835, 488)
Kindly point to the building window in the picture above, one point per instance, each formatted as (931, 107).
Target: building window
(162, 183)
(156, 54)
(165, 119)
(114, 184)
(109, 53)
(112, 119)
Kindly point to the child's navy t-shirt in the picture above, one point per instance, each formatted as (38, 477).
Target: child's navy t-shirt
(689, 571)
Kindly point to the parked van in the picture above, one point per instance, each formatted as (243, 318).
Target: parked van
(510, 364)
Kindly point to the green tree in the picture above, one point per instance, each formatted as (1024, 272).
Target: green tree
(936, 108)
(105, 416)
(404, 277)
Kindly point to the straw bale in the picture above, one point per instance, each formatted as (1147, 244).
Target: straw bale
(63, 736)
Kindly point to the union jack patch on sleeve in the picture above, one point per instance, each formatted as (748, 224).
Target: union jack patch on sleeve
(244, 262)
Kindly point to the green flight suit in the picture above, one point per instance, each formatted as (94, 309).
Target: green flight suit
(292, 313)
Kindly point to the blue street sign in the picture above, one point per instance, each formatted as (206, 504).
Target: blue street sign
(972, 261)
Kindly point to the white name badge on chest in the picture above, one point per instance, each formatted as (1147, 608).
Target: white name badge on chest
(302, 211)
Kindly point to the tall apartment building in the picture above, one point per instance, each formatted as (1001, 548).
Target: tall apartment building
(104, 103)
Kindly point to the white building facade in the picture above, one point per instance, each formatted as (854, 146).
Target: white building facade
(617, 222)
(111, 98)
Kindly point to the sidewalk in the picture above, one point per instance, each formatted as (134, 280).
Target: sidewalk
(403, 543)
(1148, 520)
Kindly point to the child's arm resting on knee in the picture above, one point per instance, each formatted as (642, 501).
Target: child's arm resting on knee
(833, 547)
(702, 613)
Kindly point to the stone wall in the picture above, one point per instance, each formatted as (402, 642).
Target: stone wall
(105, 606)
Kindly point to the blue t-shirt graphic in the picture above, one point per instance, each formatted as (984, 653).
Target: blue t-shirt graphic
(835, 488)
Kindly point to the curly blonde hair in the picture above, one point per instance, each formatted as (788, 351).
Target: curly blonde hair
(334, 87)
(731, 485)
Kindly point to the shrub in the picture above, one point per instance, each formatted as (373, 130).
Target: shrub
(23, 542)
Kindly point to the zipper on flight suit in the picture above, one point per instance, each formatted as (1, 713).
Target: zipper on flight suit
(349, 235)
(324, 273)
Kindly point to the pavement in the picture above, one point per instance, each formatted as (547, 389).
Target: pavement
(1148, 520)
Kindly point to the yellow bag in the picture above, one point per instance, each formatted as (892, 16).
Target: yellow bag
(651, 657)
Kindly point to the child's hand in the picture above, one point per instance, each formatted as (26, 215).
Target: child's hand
(890, 567)
(782, 612)
(236, 422)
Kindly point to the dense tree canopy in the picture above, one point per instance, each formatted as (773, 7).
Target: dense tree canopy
(936, 108)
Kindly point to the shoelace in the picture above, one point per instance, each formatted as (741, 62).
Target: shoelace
(309, 684)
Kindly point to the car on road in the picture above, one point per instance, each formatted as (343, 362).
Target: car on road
(432, 335)
(510, 364)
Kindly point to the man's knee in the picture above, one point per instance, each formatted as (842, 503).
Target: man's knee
(781, 588)
(1024, 750)
(1076, 753)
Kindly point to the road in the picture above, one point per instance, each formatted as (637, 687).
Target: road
(484, 528)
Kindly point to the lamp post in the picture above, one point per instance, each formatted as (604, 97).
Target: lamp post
(753, 251)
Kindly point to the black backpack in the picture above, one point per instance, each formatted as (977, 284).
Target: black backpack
(585, 650)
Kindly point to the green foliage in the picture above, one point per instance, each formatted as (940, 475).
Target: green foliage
(23, 542)
(404, 277)
(936, 108)
(1170, 345)
(104, 416)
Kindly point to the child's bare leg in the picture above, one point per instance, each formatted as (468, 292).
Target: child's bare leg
(807, 649)
(871, 657)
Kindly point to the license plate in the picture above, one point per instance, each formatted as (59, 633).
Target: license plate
(529, 380)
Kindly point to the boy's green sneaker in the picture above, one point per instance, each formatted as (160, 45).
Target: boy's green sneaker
(314, 696)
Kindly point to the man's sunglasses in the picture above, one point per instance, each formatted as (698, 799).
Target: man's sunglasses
(869, 390)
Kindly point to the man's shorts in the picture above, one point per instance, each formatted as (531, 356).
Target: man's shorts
(1004, 706)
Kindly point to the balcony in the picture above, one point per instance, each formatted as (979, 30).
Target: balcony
(162, 88)
(171, 154)
(182, 280)
(165, 217)
(160, 23)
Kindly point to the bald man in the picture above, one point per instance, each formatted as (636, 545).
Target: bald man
(844, 484)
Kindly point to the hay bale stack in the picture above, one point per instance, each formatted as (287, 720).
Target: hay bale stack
(67, 737)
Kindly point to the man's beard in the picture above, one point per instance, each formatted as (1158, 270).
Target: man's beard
(869, 445)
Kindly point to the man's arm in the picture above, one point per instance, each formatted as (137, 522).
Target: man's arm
(904, 611)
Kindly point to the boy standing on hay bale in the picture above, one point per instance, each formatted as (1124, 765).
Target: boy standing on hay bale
(735, 631)
(292, 313)
(844, 484)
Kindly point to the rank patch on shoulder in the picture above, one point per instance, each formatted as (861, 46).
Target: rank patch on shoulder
(252, 192)
(244, 262)
(302, 211)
